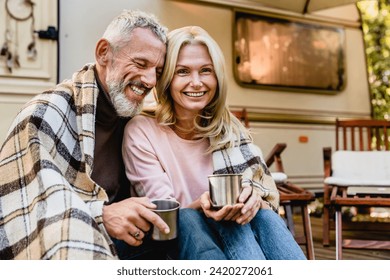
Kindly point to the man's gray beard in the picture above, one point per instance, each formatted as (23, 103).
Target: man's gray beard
(123, 106)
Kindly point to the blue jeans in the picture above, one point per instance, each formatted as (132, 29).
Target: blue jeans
(265, 237)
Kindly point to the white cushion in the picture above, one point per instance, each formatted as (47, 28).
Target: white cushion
(353, 182)
(279, 177)
(360, 168)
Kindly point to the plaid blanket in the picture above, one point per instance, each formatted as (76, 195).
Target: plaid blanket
(246, 158)
(49, 206)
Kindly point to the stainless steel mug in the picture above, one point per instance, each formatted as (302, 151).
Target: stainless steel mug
(168, 210)
(224, 189)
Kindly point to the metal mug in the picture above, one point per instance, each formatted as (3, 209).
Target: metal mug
(224, 189)
(168, 210)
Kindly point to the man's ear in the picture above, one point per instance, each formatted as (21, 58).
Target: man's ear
(102, 52)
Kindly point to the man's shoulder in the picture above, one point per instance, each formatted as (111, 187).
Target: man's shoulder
(49, 105)
(53, 98)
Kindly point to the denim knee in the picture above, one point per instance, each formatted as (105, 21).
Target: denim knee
(196, 240)
(274, 238)
(269, 218)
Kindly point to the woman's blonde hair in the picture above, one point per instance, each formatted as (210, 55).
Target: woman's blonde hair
(215, 121)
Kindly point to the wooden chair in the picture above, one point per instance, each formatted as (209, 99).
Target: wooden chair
(292, 196)
(360, 138)
(242, 115)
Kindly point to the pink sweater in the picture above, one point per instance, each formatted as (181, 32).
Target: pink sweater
(160, 164)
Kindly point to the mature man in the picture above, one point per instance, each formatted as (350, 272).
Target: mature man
(63, 188)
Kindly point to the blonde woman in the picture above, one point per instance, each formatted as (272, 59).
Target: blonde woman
(191, 134)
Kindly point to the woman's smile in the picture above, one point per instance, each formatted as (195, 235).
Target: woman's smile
(195, 94)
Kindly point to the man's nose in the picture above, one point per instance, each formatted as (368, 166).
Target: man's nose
(149, 78)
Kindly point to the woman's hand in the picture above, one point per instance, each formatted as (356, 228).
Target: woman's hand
(253, 202)
(226, 213)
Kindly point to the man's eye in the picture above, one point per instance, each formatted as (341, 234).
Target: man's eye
(140, 64)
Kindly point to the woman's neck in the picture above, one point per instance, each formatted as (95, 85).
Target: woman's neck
(185, 124)
(184, 130)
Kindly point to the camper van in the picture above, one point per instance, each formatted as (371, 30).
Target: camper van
(294, 69)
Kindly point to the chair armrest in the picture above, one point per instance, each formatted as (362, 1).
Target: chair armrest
(274, 156)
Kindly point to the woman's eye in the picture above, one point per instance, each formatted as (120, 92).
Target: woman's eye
(181, 71)
(206, 70)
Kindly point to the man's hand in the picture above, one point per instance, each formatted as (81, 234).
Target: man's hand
(129, 219)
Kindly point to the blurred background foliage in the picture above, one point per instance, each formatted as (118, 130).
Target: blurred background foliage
(376, 29)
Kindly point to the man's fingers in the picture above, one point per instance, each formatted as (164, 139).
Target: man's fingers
(155, 219)
(144, 215)
(136, 232)
(143, 201)
(131, 240)
(131, 235)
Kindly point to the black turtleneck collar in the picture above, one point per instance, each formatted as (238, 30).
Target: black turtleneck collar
(109, 170)
(105, 111)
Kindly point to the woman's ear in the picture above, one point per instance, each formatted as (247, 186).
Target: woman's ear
(102, 52)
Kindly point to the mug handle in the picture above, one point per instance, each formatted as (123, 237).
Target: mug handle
(254, 184)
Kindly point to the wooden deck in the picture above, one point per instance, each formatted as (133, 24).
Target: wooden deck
(328, 253)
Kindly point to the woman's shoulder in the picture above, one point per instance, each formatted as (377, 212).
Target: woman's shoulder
(144, 123)
(141, 120)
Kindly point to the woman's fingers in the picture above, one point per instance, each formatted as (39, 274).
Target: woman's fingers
(252, 205)
(218, 214)
(236, 210)
(245, 194)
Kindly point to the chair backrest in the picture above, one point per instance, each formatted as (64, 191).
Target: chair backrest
(274, 157)
(362, 135)
(361, 167)
(242, 115)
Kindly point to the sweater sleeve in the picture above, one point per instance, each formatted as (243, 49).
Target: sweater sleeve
(143, 167)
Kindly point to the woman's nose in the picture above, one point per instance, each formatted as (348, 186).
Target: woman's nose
(196, 82)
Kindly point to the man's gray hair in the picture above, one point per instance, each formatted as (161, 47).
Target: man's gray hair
(120, 28)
